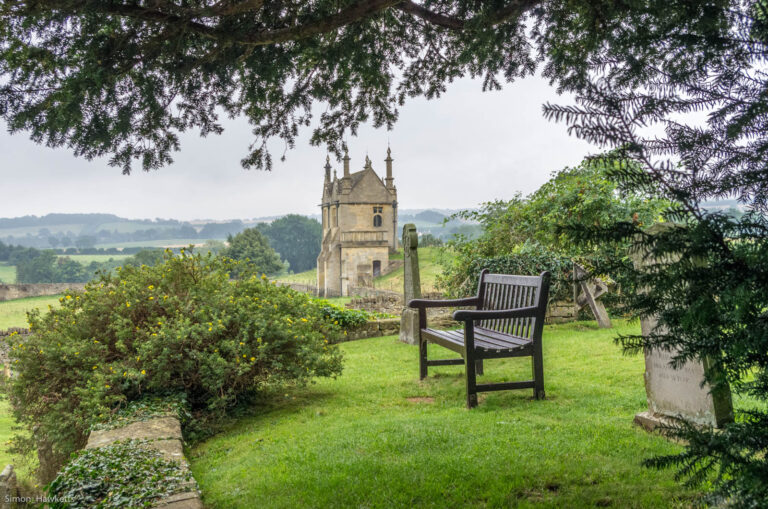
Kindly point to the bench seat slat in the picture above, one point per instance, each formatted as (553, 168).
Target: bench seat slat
(484, 339)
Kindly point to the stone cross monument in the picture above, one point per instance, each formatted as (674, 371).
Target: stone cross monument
(409, 322)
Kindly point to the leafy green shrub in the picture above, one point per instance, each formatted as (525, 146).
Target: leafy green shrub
(346, 317)
(180, 327)
(143, 410)
(528, 259)
(123, 474)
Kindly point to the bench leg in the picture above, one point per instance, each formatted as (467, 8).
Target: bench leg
(538, 373)
(470, 366)
(422, 359)
(479, 366)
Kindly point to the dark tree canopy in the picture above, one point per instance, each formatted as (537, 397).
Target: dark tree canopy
(122, 78)
(296, 239)
(252, 248)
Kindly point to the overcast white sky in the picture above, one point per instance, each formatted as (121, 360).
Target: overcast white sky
(454, 152)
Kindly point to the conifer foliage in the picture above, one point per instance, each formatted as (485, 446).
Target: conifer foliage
(695, 117)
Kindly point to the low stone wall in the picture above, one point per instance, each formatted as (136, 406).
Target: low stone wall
(391, 327)
(163, 434)
(373, 329)
(561, 312)
(9, 489)
(24, 290)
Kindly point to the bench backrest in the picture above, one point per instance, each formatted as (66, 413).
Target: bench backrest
(503, 291)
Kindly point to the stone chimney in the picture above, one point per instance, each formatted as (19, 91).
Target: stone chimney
(346, 182)
(389, 180)
(346, 163)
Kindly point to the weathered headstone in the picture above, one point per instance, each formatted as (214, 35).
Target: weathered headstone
(677, 392)
(409, 321)
(592, 289)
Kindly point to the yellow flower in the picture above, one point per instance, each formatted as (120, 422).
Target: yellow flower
(95, 367)
(138, 358)
(125, 373)
(151, 287)
(143, 372)
(68, 297)
(95, 340)
(151, 298)
(241, 343)
(107, 386)
(243, 355)
(304, 320)
(253, 359)
(210, 329)
(127, 304)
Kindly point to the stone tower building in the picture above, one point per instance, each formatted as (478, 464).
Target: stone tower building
(359, 227)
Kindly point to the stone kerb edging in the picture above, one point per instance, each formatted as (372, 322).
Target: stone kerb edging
(162, 434)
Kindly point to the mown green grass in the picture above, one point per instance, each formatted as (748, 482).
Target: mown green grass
(154, 243)
(377, 437)
(86, 259)
(308, 277)
(7, 273)
(6, 431)
(13, 313)
(429, 268)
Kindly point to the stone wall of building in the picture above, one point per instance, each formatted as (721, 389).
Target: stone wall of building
(24, 290)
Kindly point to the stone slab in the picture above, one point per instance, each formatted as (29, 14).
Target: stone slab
(163, 435)
(679, 392)
(682, 392)
(151, 429)
(409, 326)
(187, 500)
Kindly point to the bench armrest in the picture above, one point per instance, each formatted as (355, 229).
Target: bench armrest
(426, 303)
(464, 315)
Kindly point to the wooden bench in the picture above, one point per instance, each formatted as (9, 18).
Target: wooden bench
(507, 321)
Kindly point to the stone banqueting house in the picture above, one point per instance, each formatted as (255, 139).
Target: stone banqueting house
(359, 227)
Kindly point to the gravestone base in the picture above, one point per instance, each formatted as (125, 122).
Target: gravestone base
(650, 421)
(409, 326)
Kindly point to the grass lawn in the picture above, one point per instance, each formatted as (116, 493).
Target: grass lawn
(7, 273)
(13, 313)
(429, 268)
(154, 243)
(86, 259)
(377, 437)
(308, 277)
(6, 425)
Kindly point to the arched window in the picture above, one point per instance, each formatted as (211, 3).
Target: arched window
(377, 220)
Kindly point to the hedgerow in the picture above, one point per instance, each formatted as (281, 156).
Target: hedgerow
(181, 327)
